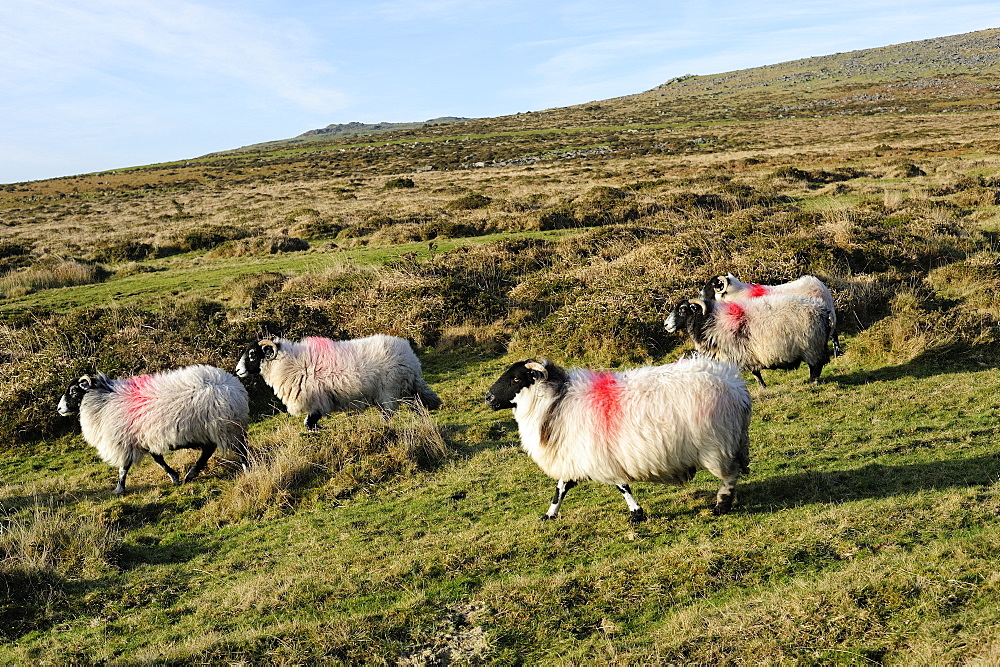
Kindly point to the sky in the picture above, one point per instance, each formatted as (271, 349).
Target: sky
(91, 85)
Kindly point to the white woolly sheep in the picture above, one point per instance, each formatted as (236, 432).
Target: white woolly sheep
(729, 288)
(196, 407)
(774, 331)
(650, 424)
(317, 376)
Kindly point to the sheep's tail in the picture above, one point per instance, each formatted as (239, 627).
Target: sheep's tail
(426, 396)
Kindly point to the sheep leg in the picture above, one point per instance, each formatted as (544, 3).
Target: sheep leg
(837, 350)
(312, 419)
(760, 380)
(122, 473)
(171, 473)
(636, 513)
(206, 453)
(724, 498)
(240, 449)
(814, 371)
(562, 488)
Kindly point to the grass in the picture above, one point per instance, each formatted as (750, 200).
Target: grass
(843, 539)
(192, 274)
(866, 531)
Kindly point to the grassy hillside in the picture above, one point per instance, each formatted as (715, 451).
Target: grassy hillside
(866, 531)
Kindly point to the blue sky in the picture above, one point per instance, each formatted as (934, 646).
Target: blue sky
(88, 85)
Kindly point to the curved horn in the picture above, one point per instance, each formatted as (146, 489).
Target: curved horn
(538, 365)
(268, 347)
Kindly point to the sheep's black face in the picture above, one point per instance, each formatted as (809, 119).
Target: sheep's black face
(70, 402)
(717, 286)
(686, 314)
(249, 363)
(678, 317)
(501, 395)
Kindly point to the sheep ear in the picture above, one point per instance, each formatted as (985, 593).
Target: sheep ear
(537, 367)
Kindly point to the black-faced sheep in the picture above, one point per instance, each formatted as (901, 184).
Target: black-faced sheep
(775, 331)
(729, 288)
(650, 424)
(196, 407)
(317, 376)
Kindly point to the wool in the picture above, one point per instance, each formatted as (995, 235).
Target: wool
(772, 331)
(316, 376)
(728, 288)
(650, 424)
(199, 407)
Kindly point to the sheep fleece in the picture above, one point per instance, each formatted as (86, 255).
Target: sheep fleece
(650, 424)
(155, 413)
(319, 374)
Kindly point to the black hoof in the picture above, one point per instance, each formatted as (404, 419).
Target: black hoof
(546, 517)
(723, 505)
(637, 516)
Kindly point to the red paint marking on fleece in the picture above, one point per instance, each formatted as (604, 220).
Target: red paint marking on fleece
(757, 290)
(323, 351)
(732, 316)
(137, 393)
(605, 397)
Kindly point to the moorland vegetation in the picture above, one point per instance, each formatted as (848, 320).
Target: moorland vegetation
(867, 530)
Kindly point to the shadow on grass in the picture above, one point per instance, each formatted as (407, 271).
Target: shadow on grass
(871, 481)
(927, 364)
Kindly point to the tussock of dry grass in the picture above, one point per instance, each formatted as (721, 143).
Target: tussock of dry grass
(348, 452)
(40, 552)
(52, 539)
(61, 274)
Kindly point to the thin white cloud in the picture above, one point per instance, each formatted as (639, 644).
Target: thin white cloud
(53, 43)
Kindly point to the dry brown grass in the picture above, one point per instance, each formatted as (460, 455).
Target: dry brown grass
(46, 276)
(349, 452)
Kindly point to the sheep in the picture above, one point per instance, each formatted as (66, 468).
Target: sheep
(729, 288)
(772, 331)
(317, 376)
(196, 407)
(649, 424)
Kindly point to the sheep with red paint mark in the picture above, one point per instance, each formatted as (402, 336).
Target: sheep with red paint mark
(730, 288)
(649, 424)
(317, 376)
(767, 332)
(196, 407)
